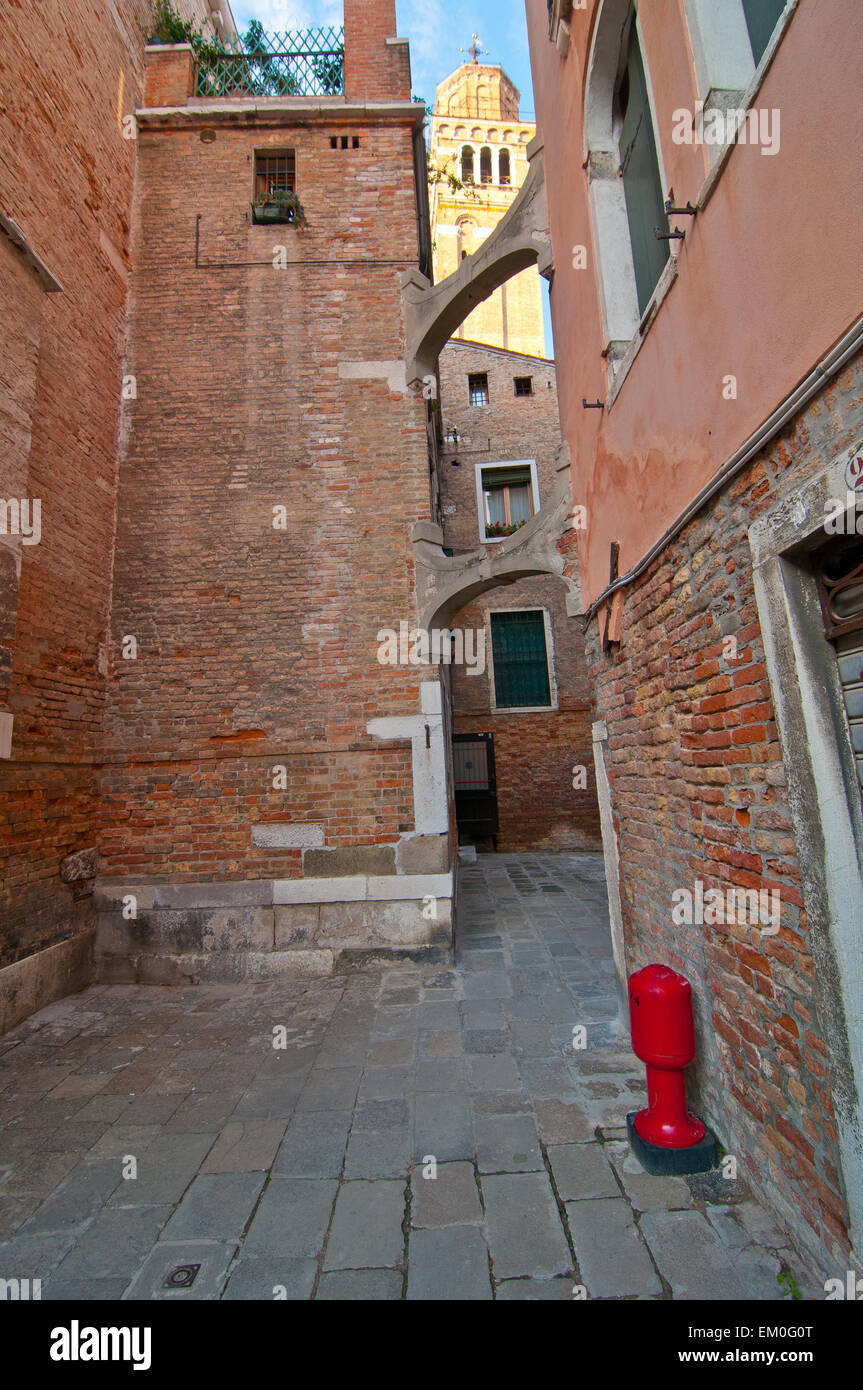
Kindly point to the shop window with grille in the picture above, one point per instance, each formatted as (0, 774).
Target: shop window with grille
(477, 386)
(839, 572)
(507, 498)
(520, 660)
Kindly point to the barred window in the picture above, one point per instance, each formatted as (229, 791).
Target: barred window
(477, 385)
(275, 172)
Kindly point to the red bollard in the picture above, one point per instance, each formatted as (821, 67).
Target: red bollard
(666, 1137)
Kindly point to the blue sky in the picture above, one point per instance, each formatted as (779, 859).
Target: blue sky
(438, 30)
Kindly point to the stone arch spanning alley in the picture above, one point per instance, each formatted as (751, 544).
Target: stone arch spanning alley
(432, 314)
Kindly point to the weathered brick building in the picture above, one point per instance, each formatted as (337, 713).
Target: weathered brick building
(208, 752)
(502, 435)
(724, 365)
(522, 755)
(69, 80)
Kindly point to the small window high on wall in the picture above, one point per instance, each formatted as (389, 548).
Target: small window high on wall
(485, 174)
(762, 16)
(467, 164)
(477, 388)
(504, 166)
(642, 183)
(275, 172)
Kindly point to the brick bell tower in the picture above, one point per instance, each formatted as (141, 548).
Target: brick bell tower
(478, 135)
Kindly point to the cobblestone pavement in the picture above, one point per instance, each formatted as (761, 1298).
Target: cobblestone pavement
(298, 1172)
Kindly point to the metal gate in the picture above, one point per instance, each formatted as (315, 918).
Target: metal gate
(475, 785)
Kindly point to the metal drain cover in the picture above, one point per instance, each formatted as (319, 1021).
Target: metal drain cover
(183, 1277)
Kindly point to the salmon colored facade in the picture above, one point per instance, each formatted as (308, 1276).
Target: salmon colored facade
(769, 276)
(711, 397)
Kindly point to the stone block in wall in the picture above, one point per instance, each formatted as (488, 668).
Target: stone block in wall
(232, 967)
(39, 979)
(150, 931)
(342, 924)
(403, 924)
(296, 925)
(77, 868)
(349, 860)
(423, 854)
(238, 929)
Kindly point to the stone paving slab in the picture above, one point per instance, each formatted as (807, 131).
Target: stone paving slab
(362, 1285)
(449, 1198)
(719, 1271)
(282, 1279)
(211, 1257)
(217, 1206)
(292, 1217)
(245, 1146)
(525, 1231)
(367, 1226)
(301, 1172)
(581, 1171)
(449, 1264)
(612, 1258)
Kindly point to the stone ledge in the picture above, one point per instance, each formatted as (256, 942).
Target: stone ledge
(47, 975)
(265, 892)
(220, 967)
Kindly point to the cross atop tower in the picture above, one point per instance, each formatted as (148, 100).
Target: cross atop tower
(475, 48)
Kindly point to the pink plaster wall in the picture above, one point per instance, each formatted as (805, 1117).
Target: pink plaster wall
(770, 273)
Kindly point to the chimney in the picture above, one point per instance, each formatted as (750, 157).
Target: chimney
(377, 63)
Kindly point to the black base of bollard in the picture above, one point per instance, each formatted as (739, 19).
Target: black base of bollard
(663, 1163)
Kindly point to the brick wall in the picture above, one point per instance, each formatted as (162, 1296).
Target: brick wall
(257, 646)
(170, 76)
(699, 793)
(375, 69)
(535, 754)
(68, 75)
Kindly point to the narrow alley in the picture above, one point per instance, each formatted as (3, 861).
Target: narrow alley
(425, 1132)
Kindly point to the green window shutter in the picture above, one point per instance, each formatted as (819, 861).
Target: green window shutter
(642, 186)
(762, 17)
(520, 660)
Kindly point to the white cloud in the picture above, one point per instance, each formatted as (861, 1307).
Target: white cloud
(429, 26)
(281, 15)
